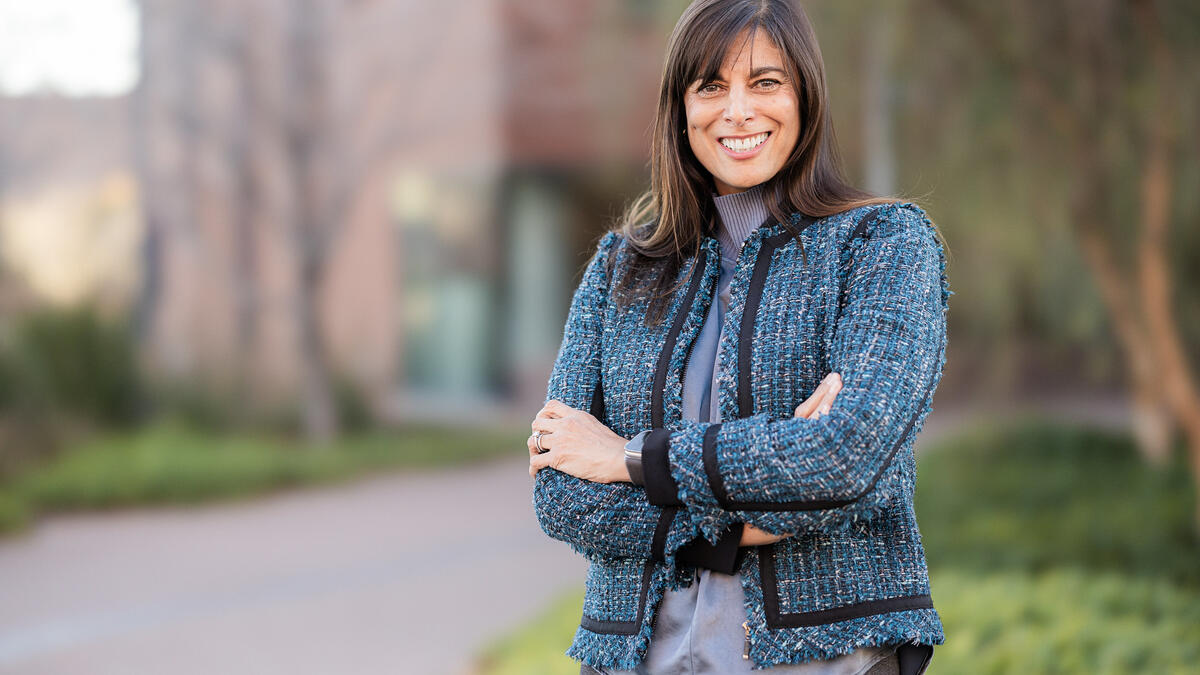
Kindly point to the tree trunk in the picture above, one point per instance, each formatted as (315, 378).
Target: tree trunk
(307, 131)
(320, 412)
(1153, 425)
(246, 210)
(1154, 281)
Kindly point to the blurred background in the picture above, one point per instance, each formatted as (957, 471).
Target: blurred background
(281, 284)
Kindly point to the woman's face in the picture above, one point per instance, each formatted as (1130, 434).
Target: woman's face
(743, 125)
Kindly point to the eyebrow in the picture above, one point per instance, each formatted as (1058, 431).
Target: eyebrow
(753, 73)
(766, 69)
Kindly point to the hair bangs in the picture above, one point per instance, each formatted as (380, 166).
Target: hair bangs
(704, 52)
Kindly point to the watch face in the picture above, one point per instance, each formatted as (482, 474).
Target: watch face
(633, 446)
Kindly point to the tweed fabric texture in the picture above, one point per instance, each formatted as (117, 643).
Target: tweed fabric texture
(867, 298)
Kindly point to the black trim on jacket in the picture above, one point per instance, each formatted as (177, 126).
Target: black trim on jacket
(658, 489)
(664, 358)
(661, 488)
(721, 557)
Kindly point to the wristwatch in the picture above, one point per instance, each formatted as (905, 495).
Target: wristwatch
(633, 458)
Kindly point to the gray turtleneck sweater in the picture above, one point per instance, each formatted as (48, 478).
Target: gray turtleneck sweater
(699, 628)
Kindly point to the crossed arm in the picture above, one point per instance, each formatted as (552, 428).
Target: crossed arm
(779, 476)
(583, 447)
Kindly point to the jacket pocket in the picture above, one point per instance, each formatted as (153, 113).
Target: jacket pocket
(615, 599)
(797, 592)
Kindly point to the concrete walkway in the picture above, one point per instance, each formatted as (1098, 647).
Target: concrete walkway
(397, 574)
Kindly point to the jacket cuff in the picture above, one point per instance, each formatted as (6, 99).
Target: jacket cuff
(722, 557)
(692, 476)
(661, 488)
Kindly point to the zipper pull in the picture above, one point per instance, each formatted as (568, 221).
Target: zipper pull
(746, 651)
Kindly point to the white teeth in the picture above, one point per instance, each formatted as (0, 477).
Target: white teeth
(744, 144)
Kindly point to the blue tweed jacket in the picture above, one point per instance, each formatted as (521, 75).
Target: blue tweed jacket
(867, 299)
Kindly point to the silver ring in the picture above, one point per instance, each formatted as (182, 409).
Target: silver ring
(537, 439)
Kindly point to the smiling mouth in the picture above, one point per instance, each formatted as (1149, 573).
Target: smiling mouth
(745, 144)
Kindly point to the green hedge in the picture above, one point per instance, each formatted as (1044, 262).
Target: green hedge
(1037, 495)
(177, 463)
(1064, 621)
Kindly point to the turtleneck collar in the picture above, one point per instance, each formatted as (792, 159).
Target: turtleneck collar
(741, 213)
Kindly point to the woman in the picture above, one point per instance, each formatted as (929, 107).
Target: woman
(728, 429)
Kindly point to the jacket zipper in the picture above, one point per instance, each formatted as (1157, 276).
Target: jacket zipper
(653, 624)
(686, 360)
(746, 650)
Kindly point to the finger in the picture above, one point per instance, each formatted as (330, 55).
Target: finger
(546, 444)
(539, 462)
(822, 399)
(543, 414)
(535, 465)
(830, 395)
(810, 404)
(824, 405)
(557, 409)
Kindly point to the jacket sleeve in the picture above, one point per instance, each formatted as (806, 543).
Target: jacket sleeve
(795, 475)
(616, 519)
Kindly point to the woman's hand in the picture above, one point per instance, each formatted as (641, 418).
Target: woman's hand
(578, 444)
(752, 536)
(813, 407)
(822, 399)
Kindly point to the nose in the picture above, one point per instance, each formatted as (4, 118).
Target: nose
(740, 109)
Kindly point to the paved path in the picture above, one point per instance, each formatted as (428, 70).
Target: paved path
(396, 574)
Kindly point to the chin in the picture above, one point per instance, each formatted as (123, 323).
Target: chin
(745, 183)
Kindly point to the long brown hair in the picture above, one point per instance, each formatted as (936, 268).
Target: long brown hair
(666, 224)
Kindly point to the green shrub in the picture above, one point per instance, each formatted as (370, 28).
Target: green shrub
(14, 512)
(353, 409)
(1064, 621)
(1037, 496)
(175, 462)
(74, 361)
(541, 648)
